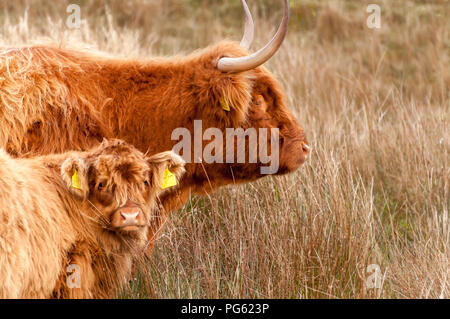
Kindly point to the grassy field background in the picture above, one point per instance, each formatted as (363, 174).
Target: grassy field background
(375, 105)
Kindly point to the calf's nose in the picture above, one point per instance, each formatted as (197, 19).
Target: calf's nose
(128, 218)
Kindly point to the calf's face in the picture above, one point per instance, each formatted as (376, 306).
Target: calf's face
(117, 184)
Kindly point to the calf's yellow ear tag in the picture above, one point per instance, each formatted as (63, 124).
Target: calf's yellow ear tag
(169, 179)
(225, 105)
(75, 180)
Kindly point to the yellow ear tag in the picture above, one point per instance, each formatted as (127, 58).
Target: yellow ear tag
(169, 179)
(225, 105)
(75, 180)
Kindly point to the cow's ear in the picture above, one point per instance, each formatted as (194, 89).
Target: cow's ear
(233, 100)
(227, 98)
(74, 172)
(166, 169)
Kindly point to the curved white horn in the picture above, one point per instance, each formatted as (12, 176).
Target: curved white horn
(260, 57)
(249, 30)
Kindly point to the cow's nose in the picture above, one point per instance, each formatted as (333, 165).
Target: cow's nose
(306, 148)
(128, 218)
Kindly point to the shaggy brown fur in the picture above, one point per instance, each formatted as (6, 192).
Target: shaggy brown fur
(46, 224)
(54, 99)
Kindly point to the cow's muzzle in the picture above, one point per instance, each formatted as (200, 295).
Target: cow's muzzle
(128, 218)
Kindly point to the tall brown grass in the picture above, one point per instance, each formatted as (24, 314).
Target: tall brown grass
(375, 104)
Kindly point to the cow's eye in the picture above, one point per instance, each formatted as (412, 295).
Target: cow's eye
(259, 100)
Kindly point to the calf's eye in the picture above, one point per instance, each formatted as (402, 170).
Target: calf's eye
(146, 183)
(100, 186)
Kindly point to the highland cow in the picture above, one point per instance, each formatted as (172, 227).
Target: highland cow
(88, 211)
(54, 99)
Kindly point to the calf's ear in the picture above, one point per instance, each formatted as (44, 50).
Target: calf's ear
(165, 167)
(74, 172)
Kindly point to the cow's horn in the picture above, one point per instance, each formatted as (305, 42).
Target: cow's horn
(260, 57)
(249, 30)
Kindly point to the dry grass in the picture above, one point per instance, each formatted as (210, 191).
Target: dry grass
(376, 107)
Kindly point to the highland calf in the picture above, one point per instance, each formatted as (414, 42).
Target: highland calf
(54, 99)
(90, 209)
